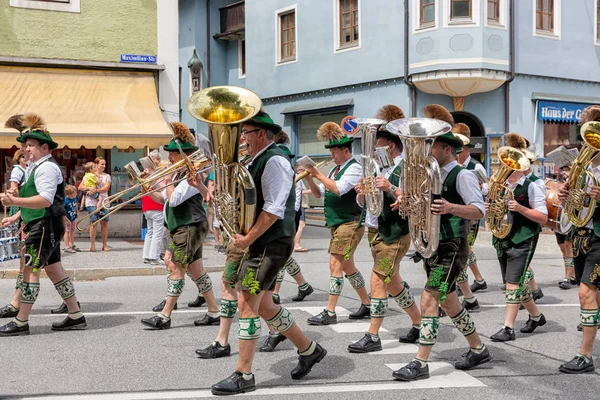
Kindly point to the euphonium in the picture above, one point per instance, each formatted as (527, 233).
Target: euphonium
(305, 173)
(421, 180)
(579, 206)
(224, 109)
(498, 217)
(367, 129)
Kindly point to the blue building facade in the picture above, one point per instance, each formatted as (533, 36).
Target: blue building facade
(526, 66)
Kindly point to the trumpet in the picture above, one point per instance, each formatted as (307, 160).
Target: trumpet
(193, 164)
(305, 173)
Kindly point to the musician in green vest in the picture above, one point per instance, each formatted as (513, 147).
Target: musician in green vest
(185, 218)
(343, 217)
(515, 251)
(40, 200)
(586, 249)
(461, 202)
(269, 244)
(389, 240)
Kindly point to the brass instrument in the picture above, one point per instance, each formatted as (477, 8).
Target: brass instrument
(579, 206)
(498, 217)
(421, 180)
(146, 184)
(305, 173)
(224, 109)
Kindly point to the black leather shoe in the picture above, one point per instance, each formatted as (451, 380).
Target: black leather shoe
(322, 319)
(157, 322)
(580, 327)
(365, 345)
(271, 343)
(411, 372)
(214, 350)
(199, 302)
(411, 337)
(305, 363)
(362, 312)
(565, 284)
(159, 307)
(63, 309)
(415, 257)
(471, 360)
(208, 320)
(530, 325)
(538, 294)
(6, 312)
(573, 281)
(504, 335)
(503, 287)
(235, 384)
(11, 329)
(70, 324)
(475, 286)
(276, 298)
(578, 365)
(302, 294)
(474, 306)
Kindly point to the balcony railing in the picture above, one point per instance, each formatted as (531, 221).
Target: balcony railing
(232, 21)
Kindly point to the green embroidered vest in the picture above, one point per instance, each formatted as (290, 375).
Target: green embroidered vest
(596, 221)
(189, 212)
(533, 178)
(472, 164)
(452, 226)
(341, 209)
(391, 226)
(28, 189)
(522, 227)
(285, 227)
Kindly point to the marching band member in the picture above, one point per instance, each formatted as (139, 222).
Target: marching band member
(461, 202)
(586, 249)
(389, 240)
(186, 221)
(342, 216)
(516, 250)
(270, 243)
(41, 203)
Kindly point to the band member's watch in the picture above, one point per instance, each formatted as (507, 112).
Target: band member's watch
(392, 189)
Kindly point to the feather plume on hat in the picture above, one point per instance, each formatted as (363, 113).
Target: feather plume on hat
(33, 122)
(15, 122)
(591, 113)
(182, 133)
(330, 131)
(462, 129)
(436, 111)
(515, 140)
(282, 137)
(390, 113)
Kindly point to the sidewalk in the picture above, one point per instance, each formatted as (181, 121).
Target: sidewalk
(125, 256)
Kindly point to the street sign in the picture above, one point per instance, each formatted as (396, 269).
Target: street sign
(136, 58)
(349, 125)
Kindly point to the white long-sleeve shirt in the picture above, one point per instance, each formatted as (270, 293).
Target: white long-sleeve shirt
(481, 168)
(537, 197)
(47, 177)
(348, 181)
(467, 186)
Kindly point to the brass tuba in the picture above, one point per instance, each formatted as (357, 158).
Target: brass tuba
(421, 179)
(367, 130)
(498, 217)
(224, 109)
(579, 206)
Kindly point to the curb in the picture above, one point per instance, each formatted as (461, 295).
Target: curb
(99, 274)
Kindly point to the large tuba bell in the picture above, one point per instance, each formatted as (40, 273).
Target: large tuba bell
(367, 130)
(499, 219)
(224, 109)
(421, 179)
(579, 206)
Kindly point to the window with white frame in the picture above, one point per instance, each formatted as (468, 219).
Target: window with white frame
(460, 9)
(242, 58)
(597, 25)
(493, 11)
(51, 5)
(427, 13)
(461, 12)
(547, 18)
(348, 23)
(286, 35)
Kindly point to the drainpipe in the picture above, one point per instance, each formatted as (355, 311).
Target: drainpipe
(207, 43)
(511, 18)
(407, 80)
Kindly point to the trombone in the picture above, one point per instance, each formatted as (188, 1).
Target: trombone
(194, 164)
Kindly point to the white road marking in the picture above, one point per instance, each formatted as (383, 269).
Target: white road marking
(353, 327)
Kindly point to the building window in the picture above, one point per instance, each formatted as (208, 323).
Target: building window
(597, 21)
(51, 5)
(287, 34)
(493, 11)
(242, 58)
(544, 15)
(460, 9)
(427, 13)
(348, 23)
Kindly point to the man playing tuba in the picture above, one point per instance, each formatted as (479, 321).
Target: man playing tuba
(461, 201)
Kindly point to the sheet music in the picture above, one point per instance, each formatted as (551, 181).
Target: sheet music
(561, 156)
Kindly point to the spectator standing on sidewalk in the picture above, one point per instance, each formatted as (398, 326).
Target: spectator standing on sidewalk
(71, 201)
(155, 233)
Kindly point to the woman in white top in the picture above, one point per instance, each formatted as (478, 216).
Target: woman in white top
(17, 174)
(91, 204)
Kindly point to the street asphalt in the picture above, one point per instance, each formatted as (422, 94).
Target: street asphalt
(116, 358)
